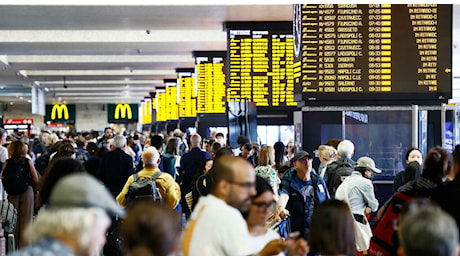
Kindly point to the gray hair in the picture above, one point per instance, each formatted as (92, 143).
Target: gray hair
(346, 148)
(118, 141)
(77, 223)
(428, 230)
(150, 156)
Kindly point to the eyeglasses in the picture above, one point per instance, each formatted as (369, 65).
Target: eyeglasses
(265, 205)
(246, 185)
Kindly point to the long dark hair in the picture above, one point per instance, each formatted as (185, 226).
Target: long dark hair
(58, 168)
(436, 163)
(280, 149)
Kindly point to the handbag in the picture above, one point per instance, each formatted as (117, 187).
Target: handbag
(9, 215)
(363, 232)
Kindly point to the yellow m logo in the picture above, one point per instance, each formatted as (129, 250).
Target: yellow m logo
(61, 110)
(124, 110)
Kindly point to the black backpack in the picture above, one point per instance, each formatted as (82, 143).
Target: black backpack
(340, 172)
(143, 188)
(16, 178)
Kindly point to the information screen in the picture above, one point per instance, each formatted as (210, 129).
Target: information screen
(171, 106)
(161, 103)
(260, 63)
(187, 92)
(376, 51)
(209, 67)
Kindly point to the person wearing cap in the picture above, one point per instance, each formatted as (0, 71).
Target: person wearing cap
(359, 189)
(301, 190)
(75, 221)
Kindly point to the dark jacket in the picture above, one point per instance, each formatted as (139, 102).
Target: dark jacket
(115, 168)
(330, 176)
(296, 202)
(189, 164)
(447, 197)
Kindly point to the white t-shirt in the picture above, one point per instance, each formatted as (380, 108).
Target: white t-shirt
(215, 229)
(259, 242)
(3, 154)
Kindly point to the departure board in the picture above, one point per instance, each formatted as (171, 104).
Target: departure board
(373, 52)
(187, 92)
(146, 111)
(161, 105)
(209, 67)
(260, 63)
(172, 107)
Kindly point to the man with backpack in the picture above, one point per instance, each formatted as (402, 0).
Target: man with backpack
(150, 179)
(337, 171)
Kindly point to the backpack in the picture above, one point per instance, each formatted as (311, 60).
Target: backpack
(336, 177)
(384, 241)
(16, 178)
(143, 188)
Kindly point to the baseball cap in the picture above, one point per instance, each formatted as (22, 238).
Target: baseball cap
(368, 163)
(83, 190)
(301, 154)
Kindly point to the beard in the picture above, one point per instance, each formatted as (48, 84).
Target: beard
(242, 206)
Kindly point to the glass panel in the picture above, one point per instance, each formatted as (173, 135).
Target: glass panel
(385, 136)
(286, 133)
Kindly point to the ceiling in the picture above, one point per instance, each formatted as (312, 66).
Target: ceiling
(110, 53)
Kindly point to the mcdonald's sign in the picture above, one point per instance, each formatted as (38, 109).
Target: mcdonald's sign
(122, 113)
(60, 113)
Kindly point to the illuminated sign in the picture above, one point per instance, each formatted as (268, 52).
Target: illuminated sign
(210, 70)
(122, 113)
(375, 52)
(171, 106)
(60, 113)
(260, 63)
(18, 121)
(146, 111)
(187, 92)
(124, 110)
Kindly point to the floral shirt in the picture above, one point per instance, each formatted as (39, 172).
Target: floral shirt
(269, 174)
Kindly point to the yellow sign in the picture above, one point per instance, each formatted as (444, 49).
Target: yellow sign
(61, 110)
(124, 110)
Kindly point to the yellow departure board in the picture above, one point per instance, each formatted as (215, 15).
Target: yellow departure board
(260, 63)
(172, 107)
(187, 92)
(146, 111)
(374, 51)
(161, 112)
(209, 66)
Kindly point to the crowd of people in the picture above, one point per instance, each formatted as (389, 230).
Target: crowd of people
(74, 196)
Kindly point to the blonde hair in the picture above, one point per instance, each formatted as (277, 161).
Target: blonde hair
(267, 156)
(327, 152)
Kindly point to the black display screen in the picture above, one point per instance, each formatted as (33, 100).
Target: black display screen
(260, 63)
(375, 52)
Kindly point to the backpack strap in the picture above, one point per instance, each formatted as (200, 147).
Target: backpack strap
(136, 176)
(156, 175)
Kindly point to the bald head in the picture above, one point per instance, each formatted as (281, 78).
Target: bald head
(233, 180)
(151, 157)
(195, 140)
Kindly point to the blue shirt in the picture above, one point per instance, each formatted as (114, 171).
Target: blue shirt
(46, 246)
